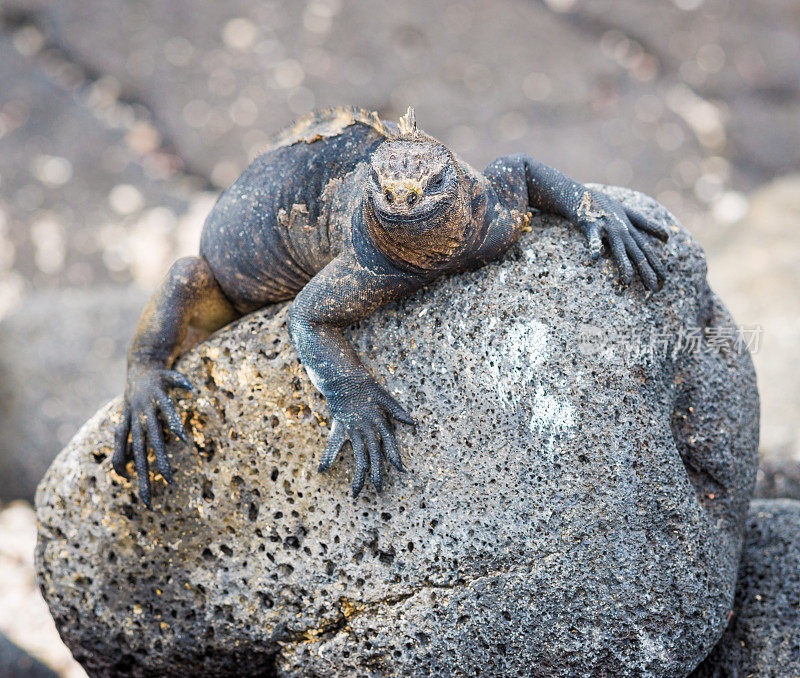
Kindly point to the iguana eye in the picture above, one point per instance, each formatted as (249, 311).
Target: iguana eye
(437, 182)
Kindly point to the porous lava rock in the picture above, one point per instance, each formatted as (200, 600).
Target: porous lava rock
(763, 637)
(576, 490)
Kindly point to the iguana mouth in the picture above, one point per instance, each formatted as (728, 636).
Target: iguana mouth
(408, 219)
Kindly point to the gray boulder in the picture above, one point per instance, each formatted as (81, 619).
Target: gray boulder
(16, 663)
(576, 490)
(62, 355)
(763, 638)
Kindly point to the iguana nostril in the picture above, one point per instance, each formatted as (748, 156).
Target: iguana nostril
(388, 195)
(411, 199)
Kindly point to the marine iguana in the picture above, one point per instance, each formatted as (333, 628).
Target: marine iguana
(344, 213)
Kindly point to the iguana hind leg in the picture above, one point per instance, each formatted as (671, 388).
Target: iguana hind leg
(188, 297)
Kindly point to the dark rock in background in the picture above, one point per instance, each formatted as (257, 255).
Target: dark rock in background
(763, 638)
(61, 355)
(778, 480)
(577, 487)
(16, 663)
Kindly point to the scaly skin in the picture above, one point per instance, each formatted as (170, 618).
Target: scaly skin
(345, 213)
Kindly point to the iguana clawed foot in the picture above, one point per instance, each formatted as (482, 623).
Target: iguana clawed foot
(362, 418)
(603, 218)
(145, 398)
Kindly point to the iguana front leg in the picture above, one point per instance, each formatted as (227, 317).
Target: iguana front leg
(189, 295)
(599, 216)
(342, 293)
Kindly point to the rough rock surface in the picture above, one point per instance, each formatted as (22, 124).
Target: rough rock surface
(16, 663)
(763, 638)
(62, 355)
(576, 490)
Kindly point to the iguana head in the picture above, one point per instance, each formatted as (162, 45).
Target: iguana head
(416, 203)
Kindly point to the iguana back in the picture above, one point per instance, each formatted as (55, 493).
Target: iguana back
(288, 214)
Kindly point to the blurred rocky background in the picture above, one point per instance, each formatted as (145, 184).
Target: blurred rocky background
(121, 120)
